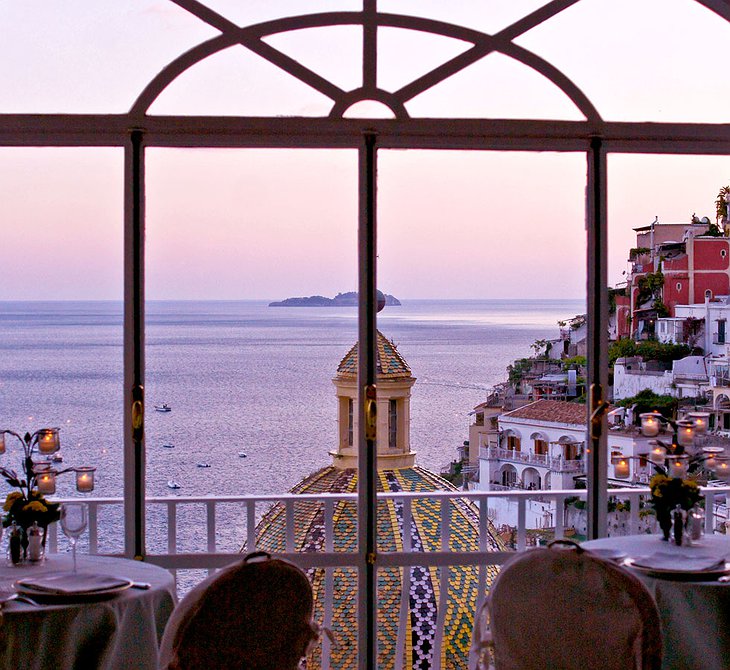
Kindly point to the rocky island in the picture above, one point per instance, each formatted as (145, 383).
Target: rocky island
(340, 300)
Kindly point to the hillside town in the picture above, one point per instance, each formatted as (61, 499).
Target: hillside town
(669, 351)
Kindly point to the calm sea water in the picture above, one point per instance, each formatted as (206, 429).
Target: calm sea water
(244, 377)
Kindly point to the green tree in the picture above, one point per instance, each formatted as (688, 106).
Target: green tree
(648, 401)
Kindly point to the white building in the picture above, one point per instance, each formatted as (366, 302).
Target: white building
(541, 446)
(688, 377)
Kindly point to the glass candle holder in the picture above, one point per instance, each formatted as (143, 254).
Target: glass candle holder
(657, 455)
(46, 481)
(650, 424)
(85, 479)
(685, 432)
(711, 456)
(49, 441)
(621, 469)
(677, 466)
(722, 468)
(702, 421)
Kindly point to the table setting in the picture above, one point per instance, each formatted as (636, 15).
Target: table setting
(60, 611)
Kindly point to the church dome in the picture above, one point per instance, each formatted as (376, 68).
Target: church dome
(390, 364)
(396, 472)
(424, 590)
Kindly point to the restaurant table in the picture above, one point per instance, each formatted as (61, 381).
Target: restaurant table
(695, 614)
(121, 632)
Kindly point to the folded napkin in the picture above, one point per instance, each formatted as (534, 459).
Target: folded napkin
(680, 563)
(70, 583)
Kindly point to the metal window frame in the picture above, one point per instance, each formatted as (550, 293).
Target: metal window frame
(595, 137)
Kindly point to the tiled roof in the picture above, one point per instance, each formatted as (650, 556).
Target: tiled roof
(557, 411)
(389, 361)
(425, 532)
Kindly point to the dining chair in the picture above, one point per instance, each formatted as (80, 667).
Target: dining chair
(562, 608)
(253, 615)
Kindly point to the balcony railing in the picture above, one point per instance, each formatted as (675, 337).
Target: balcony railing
(559, 464)
(205, 553)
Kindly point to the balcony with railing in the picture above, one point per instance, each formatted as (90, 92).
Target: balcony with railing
(558, 464)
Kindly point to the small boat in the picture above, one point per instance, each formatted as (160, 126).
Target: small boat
(164, 407)
(242, 454)
(172, 484)
(57, 458)
(168, 446)
(203, 465)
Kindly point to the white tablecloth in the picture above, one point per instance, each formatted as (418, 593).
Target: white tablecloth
(695, 615)
(119, 633)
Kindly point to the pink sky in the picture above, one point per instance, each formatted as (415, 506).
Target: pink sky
(236, 224)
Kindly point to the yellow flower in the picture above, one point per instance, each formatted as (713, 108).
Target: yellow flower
(35, 506)
(12, 497)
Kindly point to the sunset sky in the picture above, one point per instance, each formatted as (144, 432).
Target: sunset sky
(239, 224)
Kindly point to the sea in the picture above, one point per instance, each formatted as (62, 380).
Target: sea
(243, 378)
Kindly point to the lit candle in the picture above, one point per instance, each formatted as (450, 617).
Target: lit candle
(48, 440)
(2, 443)
(678, 466)
(657, 455)
(722, 468)
(621, 469)
(85, 479)
(702, 421)
(711, 454)
(650, 424)
(46, 482)
(685, 433)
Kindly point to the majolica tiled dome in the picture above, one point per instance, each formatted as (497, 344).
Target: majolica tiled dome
(390, 364)
(424, 583)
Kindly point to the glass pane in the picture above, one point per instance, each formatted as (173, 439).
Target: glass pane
(495, 87)
(237, 82)
(668, 279)
(489, 17)
(405, 55)
(314, 47)
(650, 61)
(258, 11)
(88, 57)
(61, 316)
(249, 385)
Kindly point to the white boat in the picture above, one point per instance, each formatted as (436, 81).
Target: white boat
(164, 407)
(203, 465)
(172, 484)
(57, 458)
(242, 454)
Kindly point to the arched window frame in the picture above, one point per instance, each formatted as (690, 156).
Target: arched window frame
(136, 130)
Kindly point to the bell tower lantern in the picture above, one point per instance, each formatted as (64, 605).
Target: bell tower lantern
(394, 382)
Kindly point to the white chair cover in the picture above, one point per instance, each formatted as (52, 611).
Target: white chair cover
(565, 609)
(255, 614)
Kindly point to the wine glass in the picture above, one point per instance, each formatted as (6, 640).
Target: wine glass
(73, 523)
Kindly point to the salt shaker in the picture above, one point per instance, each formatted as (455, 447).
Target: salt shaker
(696, 524)
(35, 542)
